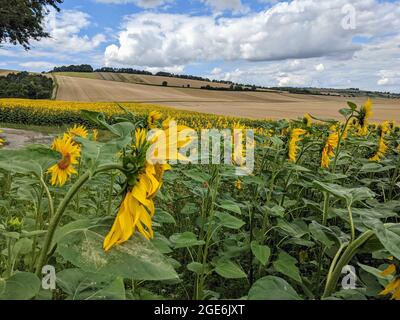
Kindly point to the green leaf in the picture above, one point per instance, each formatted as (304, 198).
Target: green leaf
(80, 285)
(229, 221)
(375, 272)
(323, 234)
(286, 265)
(185, 240)
(195, 267)
(389, 239)
(33, 159)
(136, 259)
(229, 270)
(350, 195)
(21, 286)
(197, 175)
(230, 206)
(262, 253)
(272, 288)
(162, 216)
(352, 105)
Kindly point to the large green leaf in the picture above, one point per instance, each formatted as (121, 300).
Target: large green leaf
(21, 286)
(272, 288)
(80, 285)
(185, 240)
(262, 253)
(135, 259)
(33, 159)
(229, 270)
(350, 195)
(286, 265)
(389, 238)
(229, 221)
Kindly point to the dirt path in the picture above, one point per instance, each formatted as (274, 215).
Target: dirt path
(16, 138)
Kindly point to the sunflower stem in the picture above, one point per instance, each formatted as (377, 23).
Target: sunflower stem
(61, 209)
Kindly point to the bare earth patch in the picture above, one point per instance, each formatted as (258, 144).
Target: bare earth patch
(16, 138)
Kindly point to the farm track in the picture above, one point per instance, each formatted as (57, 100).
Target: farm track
(256, 105)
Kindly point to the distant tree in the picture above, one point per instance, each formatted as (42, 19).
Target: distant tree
(188, 85)
(21, 20)
(74, 68)
(165, 84)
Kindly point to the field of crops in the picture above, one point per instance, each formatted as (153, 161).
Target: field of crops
(90, 218)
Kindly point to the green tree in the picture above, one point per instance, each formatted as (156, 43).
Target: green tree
(21, 20)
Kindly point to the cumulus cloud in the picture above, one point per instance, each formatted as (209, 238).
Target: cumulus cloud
(225, 5)
(297, 30)
(65, 29)
(37, 65)
(320, 67)
(147, 4)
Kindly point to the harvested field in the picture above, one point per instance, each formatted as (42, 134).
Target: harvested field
(257, 105)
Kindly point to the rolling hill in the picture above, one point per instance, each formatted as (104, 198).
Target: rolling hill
(272, 105)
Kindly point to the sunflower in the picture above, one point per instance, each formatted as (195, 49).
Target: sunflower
(95, 134)
(307, 120)
(2, 141)
(137, 209)
(70, 153)
(392, 288)
(238, 184)
(294, 139)
(154, 116)
(167, 141)
(329, 149)
(78, 131)
(364, 116)
(382, 146)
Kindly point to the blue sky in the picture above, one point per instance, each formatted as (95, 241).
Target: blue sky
(330, 43)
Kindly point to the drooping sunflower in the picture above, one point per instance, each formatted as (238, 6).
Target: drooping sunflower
(137, 209)
(295, 137)
(382, 146)
(64, 169)
(307, 120)
(78, 131)
(328, 151)
(393, 287)
(152, 119)
(364, 116)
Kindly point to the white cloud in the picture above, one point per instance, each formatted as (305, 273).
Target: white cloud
(37, 65)
(296, 30)
(226, 5)
(320, 67)
(65, 33)
(146, 4)
(216, 71)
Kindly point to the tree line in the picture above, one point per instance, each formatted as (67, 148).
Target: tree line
(25, 85)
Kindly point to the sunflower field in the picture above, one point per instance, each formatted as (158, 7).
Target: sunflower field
(317, 219)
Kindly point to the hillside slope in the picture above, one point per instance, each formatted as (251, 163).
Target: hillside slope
(245, 104)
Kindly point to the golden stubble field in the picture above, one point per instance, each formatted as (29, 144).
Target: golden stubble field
(258, 105)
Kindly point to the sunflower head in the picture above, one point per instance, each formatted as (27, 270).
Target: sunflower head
(78, 131)
(295, 137)
(364, 115)
(64, 169)
(152, 119)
